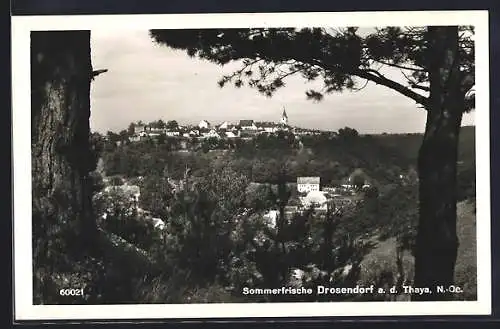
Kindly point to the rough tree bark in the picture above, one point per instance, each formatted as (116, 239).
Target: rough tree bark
(61, 73)
(437, 242)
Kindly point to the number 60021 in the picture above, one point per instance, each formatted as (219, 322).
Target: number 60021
(71, 292)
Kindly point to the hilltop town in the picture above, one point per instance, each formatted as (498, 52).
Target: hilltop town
(244, 129)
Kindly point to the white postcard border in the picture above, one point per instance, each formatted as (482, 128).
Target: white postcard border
(23, 290)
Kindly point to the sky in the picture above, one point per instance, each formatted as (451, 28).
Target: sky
(147, 82)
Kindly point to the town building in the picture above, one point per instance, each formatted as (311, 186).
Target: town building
(316, 200)
(172, 133)
(156, 130)
(224, 125)
(248, 125)
(139, 129)
(271, 218)
(232, 127)
(158, 223)
(268, 127)
(308, 184)
(284, 118)
(204, 124)
(194, 133)
(154, 135)
(230, 134)
(211, 134)
(331, 189)
(135, 138)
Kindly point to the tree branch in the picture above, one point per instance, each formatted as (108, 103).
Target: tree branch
(414, 84)
(363, 87)
(415, 69)
(378, 78)
(245, 67)
(291, 72)
(382, 80)
(424, 88)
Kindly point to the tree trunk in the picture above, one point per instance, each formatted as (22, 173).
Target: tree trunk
(60, 137)
(437, 242)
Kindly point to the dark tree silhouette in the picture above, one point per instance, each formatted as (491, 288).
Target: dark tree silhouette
(358, 178)
(172, 124)
(131, 129)
(438, 65)
(348, 132)
(62, 156)
(64, 153)
(123, 136)
(158, 124)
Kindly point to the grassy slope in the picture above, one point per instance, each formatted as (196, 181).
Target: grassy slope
(466, 267)
(384, 255)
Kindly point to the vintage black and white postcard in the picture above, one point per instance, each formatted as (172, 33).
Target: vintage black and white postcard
(251, 165)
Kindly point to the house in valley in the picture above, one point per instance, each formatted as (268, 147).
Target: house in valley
(316, 200)
(158, 223)
(135, 138)
(271, 217)
(308, 184)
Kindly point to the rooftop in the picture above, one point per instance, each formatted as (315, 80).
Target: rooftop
(267, 124)
(308, 180)
(244, 123)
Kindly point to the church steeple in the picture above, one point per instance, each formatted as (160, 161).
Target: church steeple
(284, 117)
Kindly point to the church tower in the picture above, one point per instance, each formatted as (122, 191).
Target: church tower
(284, 118)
